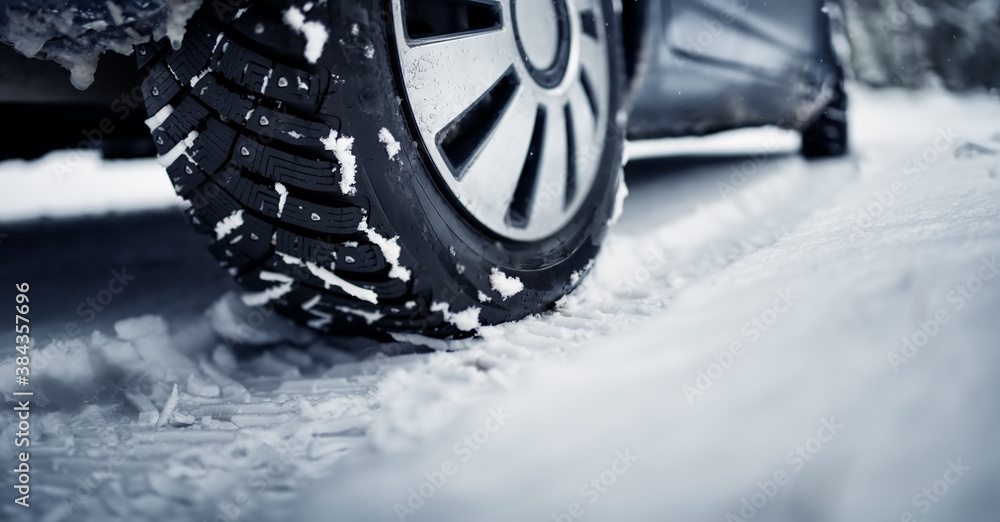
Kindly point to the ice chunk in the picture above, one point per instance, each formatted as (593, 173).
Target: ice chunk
(197, 386)
(168, 408)
(231, 318)
(141, 327)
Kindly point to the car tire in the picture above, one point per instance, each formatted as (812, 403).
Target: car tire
(311, 144)
(827, 136)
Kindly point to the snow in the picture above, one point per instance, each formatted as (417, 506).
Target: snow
(168, 159)
(178, 14)
(369, 317)
(506, 286)
(390, 251)
(341, 148)
(227, 319)
(68, 184)
(168, 408)
(155, 121)
(330, 279)
(283, 286)
(228, 224)
(75, 36)
(195, 79)
(815, 305)
(392, 146)
(620, 196)
(282, 197)
(466, 320)
(731, 346)
(770, 140)
(322, 318)
(315, 33)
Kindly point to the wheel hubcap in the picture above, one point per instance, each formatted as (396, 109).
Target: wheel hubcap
(543, 34)
(510, 99)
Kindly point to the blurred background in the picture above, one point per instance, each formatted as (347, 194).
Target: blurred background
(923, 43)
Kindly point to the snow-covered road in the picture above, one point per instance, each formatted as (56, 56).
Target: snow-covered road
(762, 338)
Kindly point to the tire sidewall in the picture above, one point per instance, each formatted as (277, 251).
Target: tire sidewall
(450, 255)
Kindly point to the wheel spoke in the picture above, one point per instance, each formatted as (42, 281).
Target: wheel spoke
(588, 22)
(436, 18)
(594, 66)
(445, 77)
(587, 142)
(547, 205)
(510, 105)
(490, 179)
(465, 135)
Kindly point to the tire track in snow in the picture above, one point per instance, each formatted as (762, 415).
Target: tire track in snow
(305, 424)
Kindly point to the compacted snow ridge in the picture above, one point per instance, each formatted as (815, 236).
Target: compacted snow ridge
(341, 148)
(814, 340)
(315, 33)
(506, 286)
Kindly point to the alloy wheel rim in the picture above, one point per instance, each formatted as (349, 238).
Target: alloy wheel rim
(510, 100)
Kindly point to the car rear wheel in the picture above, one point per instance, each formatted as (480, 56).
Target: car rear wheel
(405, 166)
(827, 136)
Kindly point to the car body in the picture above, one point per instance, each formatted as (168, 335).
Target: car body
(713, 65)
(695, 67)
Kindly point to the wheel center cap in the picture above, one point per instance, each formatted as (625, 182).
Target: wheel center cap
(537, 26)
(543, 34)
